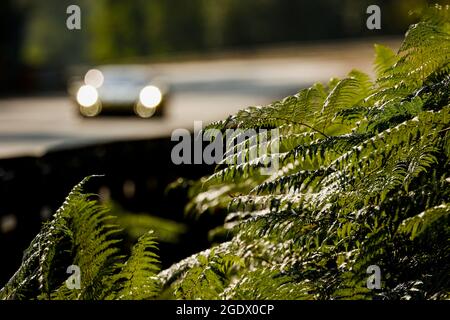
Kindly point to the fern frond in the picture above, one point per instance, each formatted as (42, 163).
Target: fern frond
(385, 59)
(418, 224)
(137, 276)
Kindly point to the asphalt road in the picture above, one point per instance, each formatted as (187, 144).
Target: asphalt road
(204, 90)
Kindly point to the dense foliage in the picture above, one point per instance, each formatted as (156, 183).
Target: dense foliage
(364, 180)
(81, 234)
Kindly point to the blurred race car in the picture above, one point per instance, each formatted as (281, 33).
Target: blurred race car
(120, 89)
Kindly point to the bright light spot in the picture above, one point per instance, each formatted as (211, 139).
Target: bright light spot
(91, 111)
(144, 112)
(87, 96)
(94, 78)
(150, 97)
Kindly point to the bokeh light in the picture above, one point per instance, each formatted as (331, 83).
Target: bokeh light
(87, 96)
(150, 97)
(94, 78)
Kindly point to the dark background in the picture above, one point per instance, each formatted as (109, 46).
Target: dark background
(36, 48)
(31, 186)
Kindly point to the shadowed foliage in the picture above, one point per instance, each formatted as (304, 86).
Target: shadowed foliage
(363, 180)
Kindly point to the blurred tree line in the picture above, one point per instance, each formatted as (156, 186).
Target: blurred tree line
(112, 30)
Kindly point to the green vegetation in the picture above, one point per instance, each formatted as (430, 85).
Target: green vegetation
(123, 30)
(364, 180)
(81, 234)
(135, 225)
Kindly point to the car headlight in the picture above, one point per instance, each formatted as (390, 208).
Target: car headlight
(150, 97)
(87, 96)
(94, 78)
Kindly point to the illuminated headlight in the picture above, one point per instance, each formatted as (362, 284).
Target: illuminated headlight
(87, 96)
(94, 78)
(150, 97)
